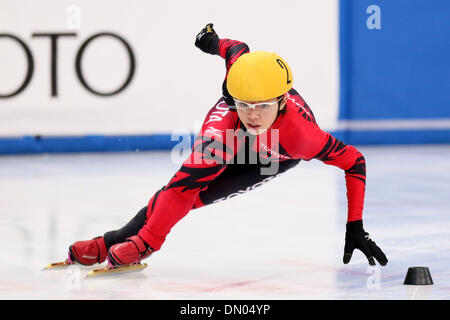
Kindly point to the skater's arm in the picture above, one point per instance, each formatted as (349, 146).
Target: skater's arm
(208, 41)
(349, 159)
(231, 50)
(314, 143)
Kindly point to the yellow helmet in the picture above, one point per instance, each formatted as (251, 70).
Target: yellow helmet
(258, 76)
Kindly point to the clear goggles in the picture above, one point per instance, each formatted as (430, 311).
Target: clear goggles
(260, 107)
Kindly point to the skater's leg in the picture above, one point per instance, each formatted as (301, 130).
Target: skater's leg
(130, 229)
(236, 179)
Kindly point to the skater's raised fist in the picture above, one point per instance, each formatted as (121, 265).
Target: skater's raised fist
(357, 238)
(205, 39)
(133, 250)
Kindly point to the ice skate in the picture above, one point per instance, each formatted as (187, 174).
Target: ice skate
(56, 265)
(85, 253)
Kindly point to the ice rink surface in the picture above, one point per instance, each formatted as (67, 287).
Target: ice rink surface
(283, 240)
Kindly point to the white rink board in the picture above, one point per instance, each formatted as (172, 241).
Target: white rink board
(175, 84)
(253, 246)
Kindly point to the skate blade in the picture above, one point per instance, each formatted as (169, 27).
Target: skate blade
(108, 270)
(58, 265)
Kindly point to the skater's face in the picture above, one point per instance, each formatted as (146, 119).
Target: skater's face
(258, 116)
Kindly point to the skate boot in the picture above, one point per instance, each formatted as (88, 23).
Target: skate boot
(88, 252)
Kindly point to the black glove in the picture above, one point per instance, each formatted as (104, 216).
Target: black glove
(356, 237)
(207, 39)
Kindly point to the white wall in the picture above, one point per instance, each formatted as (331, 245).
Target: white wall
(175, 84)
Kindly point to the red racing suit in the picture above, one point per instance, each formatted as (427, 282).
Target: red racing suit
(213, 172)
